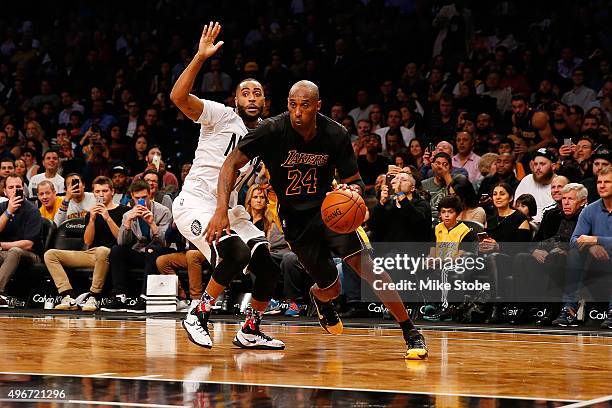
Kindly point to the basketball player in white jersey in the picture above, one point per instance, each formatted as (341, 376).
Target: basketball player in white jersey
(221, 128)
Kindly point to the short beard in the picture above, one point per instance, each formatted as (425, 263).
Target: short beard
(544, 179)
(247, 117)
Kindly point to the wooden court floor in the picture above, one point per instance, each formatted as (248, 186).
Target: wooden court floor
(532, 367)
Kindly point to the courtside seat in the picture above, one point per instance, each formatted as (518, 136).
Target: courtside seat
(47, 233)
(69, 236)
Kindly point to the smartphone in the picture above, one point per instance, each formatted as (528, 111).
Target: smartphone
(95, 128)
(19, 193)
(156, 161)
(141, 201)
(567, 142)
(388, 179)
(100, 200)
(484, 197)
(432, 147)
(75, 182)
(482, 236)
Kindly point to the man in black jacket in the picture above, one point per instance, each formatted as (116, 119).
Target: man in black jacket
(403, 217)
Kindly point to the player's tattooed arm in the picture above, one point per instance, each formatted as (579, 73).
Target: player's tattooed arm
(181, 95)
(228, 175)
(219, 222)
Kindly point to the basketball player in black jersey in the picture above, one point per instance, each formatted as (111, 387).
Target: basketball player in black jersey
(301, 149)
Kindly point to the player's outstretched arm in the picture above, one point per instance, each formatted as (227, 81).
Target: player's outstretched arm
(181, 95)
(227, 180)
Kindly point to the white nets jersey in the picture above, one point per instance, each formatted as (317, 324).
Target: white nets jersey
(220, 131)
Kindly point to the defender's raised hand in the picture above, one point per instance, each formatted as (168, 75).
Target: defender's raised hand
(207, 46)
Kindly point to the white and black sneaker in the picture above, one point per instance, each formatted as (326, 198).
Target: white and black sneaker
(250, 336)
(196, 324)
(138, 305)
(67, 303)
(90, 305)
(116, 304)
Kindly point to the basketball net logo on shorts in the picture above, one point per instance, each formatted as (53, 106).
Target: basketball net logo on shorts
(312, 159)
(196, 227)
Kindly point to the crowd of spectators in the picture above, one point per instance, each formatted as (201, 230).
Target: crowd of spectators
(503, 105)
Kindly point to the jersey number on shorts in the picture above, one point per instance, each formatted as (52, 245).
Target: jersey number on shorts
(298, 179)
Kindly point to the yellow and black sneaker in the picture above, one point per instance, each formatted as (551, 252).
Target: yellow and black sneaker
(417, 349)
(328, 316)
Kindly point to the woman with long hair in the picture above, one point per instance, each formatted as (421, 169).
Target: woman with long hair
(256, 204)
(35, 132)
(138, 162)
(415, 153)
(461, 187)
(506, 224)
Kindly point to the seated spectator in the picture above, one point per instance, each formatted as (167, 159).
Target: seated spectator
(415, 154)
(580, 94)
(152, 178)
(461, 187)
(20, 225)
(453, 239)
(119, 175)
(526, 204)
(294, 274)
(50, 202)
(465, 157)
(141, 236)
(602, 157)
(576, 159)
(154, 155)
(373, 163)
(436, 185)
(394, 120)
(76, 203)
(442, 147)
(21, 170)
(538, 183)
(29, 158)
(507, 225)
(51, 164)
(7, 166)
(5, 151)
(101, 231)
(394, 143)
(487, 165)
(403, 217)
(138, 161)
(504, 172)
(508, 145)
(591, 247)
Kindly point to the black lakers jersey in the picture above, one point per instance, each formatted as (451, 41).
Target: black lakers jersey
(301, 172)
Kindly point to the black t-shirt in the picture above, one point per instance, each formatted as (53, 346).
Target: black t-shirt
(370, 171)
(26, 224)
(526, 131)
(301, 173)
(103, 235)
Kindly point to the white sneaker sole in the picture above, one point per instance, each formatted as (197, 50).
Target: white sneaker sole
(208, 346)
(254, 346)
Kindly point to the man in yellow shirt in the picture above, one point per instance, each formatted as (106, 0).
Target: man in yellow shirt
(50, 202)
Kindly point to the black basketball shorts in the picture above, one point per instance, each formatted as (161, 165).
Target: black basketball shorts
(315, 244)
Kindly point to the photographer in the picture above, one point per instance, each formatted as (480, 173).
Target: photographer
(76, 203)
(403, 217)
(20, 224)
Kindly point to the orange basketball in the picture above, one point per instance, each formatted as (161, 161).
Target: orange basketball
(343, 211)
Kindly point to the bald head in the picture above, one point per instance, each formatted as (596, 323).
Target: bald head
(305, 88)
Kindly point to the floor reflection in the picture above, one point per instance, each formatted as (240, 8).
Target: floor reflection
(194, 393)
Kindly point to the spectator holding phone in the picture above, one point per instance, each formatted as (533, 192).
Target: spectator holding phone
(20, 225)
(51, 164)
(101, 231)
(76, 203)
(141, 236)
(155, 162)
(401, 215)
